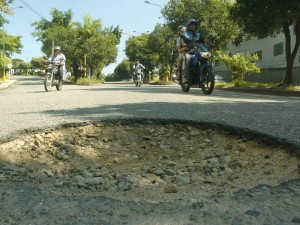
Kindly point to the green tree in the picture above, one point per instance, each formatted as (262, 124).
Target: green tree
(4, 9)
(12, 43)
(87, 42)
(38, 63)
(24, 65)
(98, 44)
(178, 12)
(137, 48)
(59, 20)
(20, 66)
(266, 18)
(16, 62)
(123, 70)
(161, 43)
(111, 77)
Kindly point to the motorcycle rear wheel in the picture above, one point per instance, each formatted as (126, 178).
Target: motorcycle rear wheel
(48, 82)
(207, 82)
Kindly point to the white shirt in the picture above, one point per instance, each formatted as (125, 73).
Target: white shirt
(58, 58)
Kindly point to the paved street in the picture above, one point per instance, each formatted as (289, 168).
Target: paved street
(27, 105)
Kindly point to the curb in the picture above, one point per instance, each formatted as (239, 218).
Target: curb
(263, 91)
(7, 84)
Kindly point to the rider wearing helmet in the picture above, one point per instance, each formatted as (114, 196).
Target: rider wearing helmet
(58, 57)
(191, 36)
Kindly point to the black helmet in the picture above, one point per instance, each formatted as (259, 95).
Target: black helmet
(191, 21)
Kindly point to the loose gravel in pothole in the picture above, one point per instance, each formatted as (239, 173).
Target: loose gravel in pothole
(151, 162)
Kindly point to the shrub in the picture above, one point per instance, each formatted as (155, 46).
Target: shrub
(86, 81)
(239, 64)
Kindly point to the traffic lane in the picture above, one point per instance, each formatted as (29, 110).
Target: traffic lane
(28, 105)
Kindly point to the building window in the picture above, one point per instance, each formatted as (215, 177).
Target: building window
(278, 49)
(259, 54)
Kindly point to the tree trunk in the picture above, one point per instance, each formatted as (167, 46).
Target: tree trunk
(290, 56)
(75, 70)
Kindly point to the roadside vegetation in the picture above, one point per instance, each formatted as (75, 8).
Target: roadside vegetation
(86, 81)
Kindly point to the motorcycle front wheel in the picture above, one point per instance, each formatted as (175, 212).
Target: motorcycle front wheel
(138, 82)
(185, 87)
(59, 85)
(207, 82)
(48, 82)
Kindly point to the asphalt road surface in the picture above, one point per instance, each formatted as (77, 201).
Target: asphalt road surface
(27, 105)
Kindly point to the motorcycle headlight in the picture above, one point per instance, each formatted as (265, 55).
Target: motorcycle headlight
(205, 54)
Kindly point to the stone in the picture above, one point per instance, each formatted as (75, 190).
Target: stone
(172, 188)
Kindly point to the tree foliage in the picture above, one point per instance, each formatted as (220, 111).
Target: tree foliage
(12, 43)
(161, 43)
(21, 66)
(4, 9)
(88, 42)
(269, 17)
(123, 70)
(38, 62)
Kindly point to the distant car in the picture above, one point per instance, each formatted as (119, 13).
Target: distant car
(219, 78)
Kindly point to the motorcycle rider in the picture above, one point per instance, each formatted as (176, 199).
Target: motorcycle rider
(181, 47)
(58, 57)
(191, 35)
(138, 68)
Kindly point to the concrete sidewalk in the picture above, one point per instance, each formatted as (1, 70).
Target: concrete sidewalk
(6, 84)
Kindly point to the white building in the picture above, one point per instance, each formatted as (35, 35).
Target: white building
(271, 52)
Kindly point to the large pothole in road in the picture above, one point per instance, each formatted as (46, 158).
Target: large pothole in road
(151, 161)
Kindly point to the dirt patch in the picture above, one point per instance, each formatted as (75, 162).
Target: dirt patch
(152, 162)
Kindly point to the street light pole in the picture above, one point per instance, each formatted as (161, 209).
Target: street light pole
(3, 45)
(158, 6)
(153, 4)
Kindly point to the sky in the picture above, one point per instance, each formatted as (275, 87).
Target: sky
(132, 16)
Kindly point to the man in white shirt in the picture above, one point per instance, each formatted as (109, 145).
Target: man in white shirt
(59, 58)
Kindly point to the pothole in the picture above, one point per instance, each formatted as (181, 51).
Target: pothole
(144, 161)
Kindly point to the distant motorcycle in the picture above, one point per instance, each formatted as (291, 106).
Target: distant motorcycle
(52, 77)
(137, 79)
(200, 72)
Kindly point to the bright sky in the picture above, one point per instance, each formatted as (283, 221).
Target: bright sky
(132, 16)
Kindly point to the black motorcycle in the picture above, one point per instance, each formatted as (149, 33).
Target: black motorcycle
(52, 77)
(200, 72)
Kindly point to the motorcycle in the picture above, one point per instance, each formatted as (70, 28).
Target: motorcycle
(52, 77)
(200, 72)
(137, 79)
